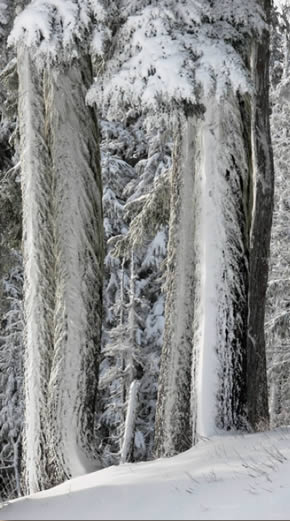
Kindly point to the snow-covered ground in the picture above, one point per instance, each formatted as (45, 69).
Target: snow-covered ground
(226, 477)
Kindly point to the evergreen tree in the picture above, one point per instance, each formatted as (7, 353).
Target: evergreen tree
(63, 246)
(132, 158)
(181, 90)
(214, 262)
(277, 311)
(218, 277)
(261, 220)
(11, 272)
(11, 380)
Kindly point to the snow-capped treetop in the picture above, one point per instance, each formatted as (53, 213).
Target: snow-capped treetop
(163, 50)
(52, 28)
(168, 50)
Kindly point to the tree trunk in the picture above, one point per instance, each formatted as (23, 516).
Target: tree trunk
(172, 426)
(78, 235)
(221, 213)
(129, 427)
(219, 337)
(63, 258)
(202, 385)
(36, 179)
(277, 308)
(261, 220)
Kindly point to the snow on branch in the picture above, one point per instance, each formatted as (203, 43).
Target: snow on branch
(234, 19)
(147, 50)
(169, 52)
(52, 28)
(154, 214)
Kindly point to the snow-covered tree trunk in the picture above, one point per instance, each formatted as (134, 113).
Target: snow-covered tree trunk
(202, 368)
(218, 251)
(132, 359)
(221, 211)
(172, 427)
(261, 219)
(220, 314)
(78, 234)
(63, 259)
(36, 179)
(129, 427)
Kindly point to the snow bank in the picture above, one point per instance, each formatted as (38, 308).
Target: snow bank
(226, 477)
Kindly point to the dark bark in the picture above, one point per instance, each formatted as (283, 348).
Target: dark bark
(173, 431)
(263, 192)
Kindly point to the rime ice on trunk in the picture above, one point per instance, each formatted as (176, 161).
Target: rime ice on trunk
(262, 194)
(78, 231)
(36, 179)
(221, 275)
(202, 382)
(218, 262)
(63, 258)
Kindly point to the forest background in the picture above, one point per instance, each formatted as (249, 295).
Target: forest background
(137, 190)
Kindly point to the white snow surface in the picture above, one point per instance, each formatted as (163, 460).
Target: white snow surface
(224, 477)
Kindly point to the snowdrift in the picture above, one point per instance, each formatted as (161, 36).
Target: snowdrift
(225, 477)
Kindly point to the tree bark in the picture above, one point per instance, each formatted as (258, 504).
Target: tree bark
(36, 180)
(78, 235)
(221, 211)
(202, 377)
(261, 221)
(172, 425)
(63, 260)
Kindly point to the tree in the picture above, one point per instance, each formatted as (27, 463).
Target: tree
(11, 384)
(134, 340)
(216, 266)
(63, 242)
(78, 229)
(188, 173)
(149, 217)
(218, 249)
(11, 271)
(277, 310)
(38, 267)
(136, 150)
(136, 75)
(263, 190)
